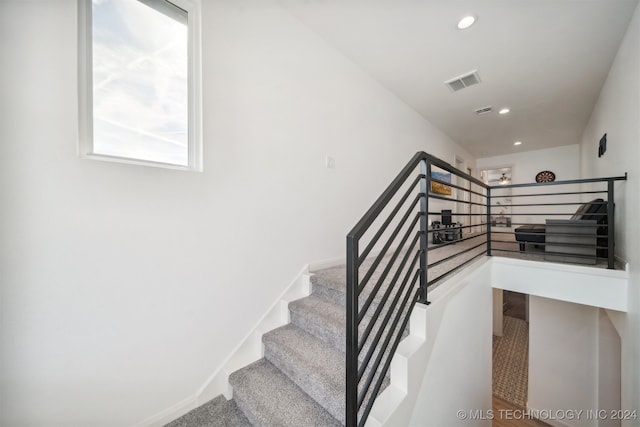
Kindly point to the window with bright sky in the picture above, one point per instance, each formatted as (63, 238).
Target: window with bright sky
(139, 98)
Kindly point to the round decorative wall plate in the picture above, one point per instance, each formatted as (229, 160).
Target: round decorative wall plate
(545, 176)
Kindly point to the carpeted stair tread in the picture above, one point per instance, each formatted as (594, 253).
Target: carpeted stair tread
(330, 283)
(301, 379)
(336, 277)
(217, 412)
(332, 277)
(315, 367)
(321, 318)
(335, 295)
(270, 399)
(326, 320)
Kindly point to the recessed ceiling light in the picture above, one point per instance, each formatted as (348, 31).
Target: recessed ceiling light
(504, 111)
(517, 143)
(466, 22)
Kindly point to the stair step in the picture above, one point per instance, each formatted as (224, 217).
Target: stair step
(326, 321)
(216, 412)
(269, 399)
(314, 366)
(320, 317)
(330, 284)
(301, 379)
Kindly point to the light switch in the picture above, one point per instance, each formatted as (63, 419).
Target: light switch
(330, 163)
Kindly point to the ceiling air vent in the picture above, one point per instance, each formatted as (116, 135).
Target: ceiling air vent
(458, 83)
(484, 110)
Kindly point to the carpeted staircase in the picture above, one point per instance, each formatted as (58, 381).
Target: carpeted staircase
(301, 379)
(215, 413)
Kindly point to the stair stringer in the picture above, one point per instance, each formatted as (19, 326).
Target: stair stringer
(411, 357)
(251, 348)
(248, 351)
(395, 405)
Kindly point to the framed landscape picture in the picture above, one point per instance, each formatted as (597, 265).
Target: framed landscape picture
(439, 188)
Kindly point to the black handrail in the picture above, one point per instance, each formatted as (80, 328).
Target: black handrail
(384, 319)
(402, 285)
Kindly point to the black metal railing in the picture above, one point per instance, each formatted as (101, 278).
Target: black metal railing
(585, 235)
(388, 276)
(395, 254)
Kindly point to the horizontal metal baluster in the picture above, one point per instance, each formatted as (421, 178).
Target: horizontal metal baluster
(389, 266)
(453, 242)
(393, 213)
(453, 270)
(365, 388)
(570, 193)
(385, 297)
(457, 254)
(376, 339)
(387, 363)
(387, 245)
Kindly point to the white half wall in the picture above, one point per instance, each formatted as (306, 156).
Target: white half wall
(456, 386)
(574, 364)
(125, 287)
(563, 359)
(572, 283)
(609, 370)
(617, 113)
(574, 346)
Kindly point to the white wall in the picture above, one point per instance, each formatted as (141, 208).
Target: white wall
(609, 373)
(563, 358)
(574, 348)
(597, 287)
(125, 287)
(574, 363)
(617, 113)
(564, 161)
(459, 333)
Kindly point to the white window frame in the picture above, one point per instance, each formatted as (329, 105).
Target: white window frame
(194, 87)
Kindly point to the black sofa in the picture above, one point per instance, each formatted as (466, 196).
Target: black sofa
(594, 210)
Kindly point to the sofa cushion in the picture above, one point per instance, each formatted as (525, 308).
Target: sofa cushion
(533, 233)
(587, 211)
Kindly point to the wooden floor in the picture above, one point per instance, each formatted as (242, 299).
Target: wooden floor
(507, 414)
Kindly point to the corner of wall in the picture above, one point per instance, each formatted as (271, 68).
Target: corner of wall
(248, 351)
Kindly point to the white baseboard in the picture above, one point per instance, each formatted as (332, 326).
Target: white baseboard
(250, 348)
(248, 351)
(327, 263)
(335, 262)
(166, 416)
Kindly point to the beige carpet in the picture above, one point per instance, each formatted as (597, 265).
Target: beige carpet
(511, 362)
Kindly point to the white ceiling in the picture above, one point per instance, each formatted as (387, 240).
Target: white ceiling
(546, 60)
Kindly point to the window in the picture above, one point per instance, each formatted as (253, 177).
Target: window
(140, 82)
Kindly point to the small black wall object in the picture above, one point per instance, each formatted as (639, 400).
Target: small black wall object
(446, 217)
(602, 146)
